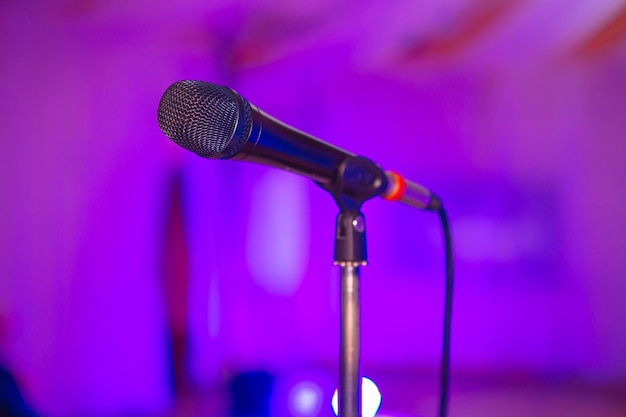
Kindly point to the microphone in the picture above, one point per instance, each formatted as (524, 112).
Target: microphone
(216, 122)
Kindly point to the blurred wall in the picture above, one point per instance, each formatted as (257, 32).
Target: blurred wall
(520, 133)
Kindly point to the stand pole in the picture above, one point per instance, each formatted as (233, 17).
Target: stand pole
(350, 254)
(358, 179)
(350, 350)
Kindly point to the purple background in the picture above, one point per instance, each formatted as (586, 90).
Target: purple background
(114, 241)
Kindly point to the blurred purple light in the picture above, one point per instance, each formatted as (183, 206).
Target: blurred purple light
(277, 239)
(512, 111)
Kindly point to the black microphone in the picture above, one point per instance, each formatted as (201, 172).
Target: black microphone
(217, 123)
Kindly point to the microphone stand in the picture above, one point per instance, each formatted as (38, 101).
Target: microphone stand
(358, 180)
(350, 322)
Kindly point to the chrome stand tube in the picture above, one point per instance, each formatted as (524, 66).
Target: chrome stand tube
(350, 350)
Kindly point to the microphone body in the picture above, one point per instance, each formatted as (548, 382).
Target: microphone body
(276, 144)
(217, 123)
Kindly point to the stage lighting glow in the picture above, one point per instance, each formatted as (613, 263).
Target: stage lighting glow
(305, 399)
(370, 398)
(278, 234)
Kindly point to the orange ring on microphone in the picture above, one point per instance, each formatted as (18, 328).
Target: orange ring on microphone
(397, 189)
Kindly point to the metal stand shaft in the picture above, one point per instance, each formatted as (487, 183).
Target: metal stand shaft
(350, 350)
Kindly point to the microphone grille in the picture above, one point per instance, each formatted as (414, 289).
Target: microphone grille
(203, 117)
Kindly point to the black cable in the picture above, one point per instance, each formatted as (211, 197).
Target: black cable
(447, 316)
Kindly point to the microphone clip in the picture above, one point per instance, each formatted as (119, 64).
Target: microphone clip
(358, 180)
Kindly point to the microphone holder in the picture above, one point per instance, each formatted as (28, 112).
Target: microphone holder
(358, 180)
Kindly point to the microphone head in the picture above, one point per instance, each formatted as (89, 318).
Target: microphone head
(208, 119)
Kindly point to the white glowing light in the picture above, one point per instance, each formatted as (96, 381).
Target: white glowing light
(305, 399)
(370, 398)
